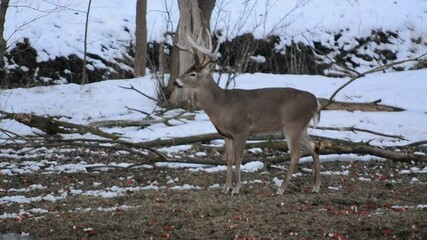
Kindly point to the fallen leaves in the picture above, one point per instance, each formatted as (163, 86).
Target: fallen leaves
(87, 232)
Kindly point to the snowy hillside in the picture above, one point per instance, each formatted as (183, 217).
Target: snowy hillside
(371, 32)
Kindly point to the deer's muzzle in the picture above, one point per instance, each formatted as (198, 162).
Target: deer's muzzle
(178, 83)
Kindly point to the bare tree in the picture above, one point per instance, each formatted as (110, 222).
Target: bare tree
(194, 16)
(3, 44)
(84, 74)
(141, 38)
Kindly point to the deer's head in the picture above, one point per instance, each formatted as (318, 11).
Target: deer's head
(200, 72)
(195, 76)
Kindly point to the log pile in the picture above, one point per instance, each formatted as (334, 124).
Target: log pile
(271, 141)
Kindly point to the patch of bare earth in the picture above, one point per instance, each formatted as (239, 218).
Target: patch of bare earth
(374, 201)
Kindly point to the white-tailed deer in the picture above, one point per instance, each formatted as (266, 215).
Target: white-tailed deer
(238, 113)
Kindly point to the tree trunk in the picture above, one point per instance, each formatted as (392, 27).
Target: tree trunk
(85, 78)
(194, 16)
(141, 38)
(3, 44)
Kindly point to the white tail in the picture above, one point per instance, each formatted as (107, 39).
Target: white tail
(239, 113)
(316, 117)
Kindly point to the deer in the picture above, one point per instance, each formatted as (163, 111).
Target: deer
(238, 113)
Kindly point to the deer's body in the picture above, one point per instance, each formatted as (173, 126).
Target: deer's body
(238, 113)
(265, 109)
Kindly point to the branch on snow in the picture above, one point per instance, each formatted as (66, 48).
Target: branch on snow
(52, 126)
(356, 106)
(329, 145)
(372, 70)
(142, 123)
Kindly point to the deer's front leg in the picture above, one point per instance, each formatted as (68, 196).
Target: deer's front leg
(229, 159)
(238, 149)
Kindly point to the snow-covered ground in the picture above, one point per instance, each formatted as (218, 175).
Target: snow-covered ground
(55, 28)
(107, 101)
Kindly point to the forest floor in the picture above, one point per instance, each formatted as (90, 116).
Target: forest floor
(357, 200)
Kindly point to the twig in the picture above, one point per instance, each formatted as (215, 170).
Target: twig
(137, 110)
(9, 133)
(136, 90)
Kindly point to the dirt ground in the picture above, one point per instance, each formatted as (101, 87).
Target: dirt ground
(376, 200)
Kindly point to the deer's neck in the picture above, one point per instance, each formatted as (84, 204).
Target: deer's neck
(211, 98)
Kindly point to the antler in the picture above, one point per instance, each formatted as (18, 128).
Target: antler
(198, 45)
(209, 54)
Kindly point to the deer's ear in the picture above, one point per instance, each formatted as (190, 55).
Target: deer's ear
(209, 68)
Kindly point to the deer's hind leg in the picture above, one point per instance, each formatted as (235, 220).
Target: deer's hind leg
(293, 144)
(310, 146)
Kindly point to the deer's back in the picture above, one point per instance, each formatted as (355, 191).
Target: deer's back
(274, 98)
(268, 109)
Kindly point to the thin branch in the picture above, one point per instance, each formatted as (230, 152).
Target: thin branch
(346, 70)
(9, 133)
(136, 90)
(137, 110)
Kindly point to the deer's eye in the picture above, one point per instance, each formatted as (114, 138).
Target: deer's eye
(193, 74)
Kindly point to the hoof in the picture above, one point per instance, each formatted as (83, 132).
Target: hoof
(315, 189)
(227, 190)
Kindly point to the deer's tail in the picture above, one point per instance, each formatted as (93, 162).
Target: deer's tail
(316, 117)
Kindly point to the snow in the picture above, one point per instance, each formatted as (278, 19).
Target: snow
(110, 32)
(108, 101)
(248, 167)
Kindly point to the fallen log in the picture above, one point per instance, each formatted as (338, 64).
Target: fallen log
(329, 146)
(141, 123)
(52, 126)
(358, 106)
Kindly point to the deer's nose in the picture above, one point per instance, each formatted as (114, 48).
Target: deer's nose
(178, 83)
